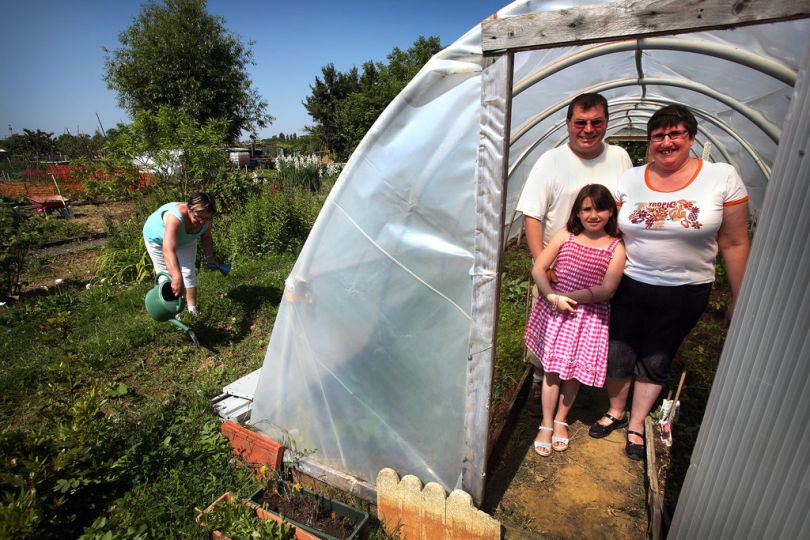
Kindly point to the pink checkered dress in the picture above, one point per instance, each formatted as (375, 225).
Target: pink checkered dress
(574, 345)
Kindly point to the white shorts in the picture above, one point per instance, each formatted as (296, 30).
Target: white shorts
(186, 257)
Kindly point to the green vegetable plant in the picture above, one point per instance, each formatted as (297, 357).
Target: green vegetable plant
(238, 520)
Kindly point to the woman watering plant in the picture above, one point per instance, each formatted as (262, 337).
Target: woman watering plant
(171, 234)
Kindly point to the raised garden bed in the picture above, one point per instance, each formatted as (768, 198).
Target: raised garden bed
(319, 515)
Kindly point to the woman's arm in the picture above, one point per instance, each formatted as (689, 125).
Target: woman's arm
(171, 233)
(542, 264)
(734, 244)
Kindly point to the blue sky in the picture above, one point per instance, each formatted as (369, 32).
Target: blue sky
(53, 60)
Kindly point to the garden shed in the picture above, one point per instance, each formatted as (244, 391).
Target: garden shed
(382, 353)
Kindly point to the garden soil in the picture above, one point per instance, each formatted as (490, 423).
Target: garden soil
(592, 490)
(73, 260)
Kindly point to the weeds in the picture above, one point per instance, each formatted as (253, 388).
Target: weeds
(276, 222)
(124, 258)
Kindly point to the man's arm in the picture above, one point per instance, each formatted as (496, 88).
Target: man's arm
(534, 235)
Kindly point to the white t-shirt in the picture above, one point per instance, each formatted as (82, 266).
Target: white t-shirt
(556, 178)
(671, 237)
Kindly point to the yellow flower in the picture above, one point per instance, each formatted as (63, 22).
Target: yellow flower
(297, 486)
(263, 469)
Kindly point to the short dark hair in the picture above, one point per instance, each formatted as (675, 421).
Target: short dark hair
(602, 200)
(200, 201)
(586, 101)
(671, 116)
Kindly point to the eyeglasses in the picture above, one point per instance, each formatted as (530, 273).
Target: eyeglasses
(595, 124)
(674, 134)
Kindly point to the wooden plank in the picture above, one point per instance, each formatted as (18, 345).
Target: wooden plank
(631, 19)
(335, 478)
(500, 434)
(493, 156)
(655, 495)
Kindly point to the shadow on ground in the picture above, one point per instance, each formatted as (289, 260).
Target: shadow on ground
(590, 491)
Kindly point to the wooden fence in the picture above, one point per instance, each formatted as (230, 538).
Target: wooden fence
(71, 179)
(429, 513)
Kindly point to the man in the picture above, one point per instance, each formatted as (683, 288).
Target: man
(559, 174)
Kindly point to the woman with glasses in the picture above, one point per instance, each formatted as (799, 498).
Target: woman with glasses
(674, 214)
(171, 234)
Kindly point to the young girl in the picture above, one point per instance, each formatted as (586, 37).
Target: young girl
(568, 331)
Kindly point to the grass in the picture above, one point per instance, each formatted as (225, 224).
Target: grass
(53, 228)
(509, 364)
(106, 412)
(106, 428)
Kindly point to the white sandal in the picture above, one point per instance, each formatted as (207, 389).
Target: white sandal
(543, 448)
(564, 440)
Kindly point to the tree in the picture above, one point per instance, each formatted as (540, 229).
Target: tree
(81, 146)
(322, 105)
(174, 146)
(30, 144)
(180, 56)
(345, 105)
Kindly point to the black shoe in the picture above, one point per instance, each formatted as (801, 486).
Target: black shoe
(597, 430)
(634, 451)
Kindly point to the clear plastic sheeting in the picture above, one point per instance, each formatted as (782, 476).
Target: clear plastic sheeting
(366, 366)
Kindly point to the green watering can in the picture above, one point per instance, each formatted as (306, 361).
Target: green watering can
(162, 304)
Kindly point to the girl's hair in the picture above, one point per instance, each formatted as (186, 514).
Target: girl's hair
(200, 201)
(671, 116)
(602, 200)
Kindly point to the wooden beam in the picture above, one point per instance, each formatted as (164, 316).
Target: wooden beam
(333, 477)
(632, 19)
(493, 160)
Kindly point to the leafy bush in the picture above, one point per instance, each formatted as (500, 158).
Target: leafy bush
(232, 189)
(275, 222)
(124, 258)
(18, 234)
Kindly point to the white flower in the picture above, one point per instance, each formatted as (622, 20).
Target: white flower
(87, 286)
(59, 281)
(2, 304)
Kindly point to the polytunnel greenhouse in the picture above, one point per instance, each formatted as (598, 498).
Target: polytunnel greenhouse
(383, 349)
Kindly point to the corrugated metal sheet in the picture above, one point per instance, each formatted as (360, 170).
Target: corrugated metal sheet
(750, 470)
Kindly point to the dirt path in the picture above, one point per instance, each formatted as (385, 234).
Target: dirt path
(590, 491)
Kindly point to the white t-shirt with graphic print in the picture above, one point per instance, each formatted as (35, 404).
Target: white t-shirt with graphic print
(671, 237)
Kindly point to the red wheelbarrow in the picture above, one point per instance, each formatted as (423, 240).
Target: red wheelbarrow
(48, 203)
